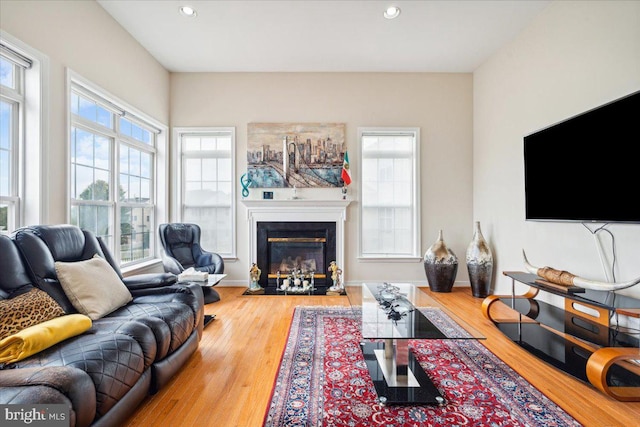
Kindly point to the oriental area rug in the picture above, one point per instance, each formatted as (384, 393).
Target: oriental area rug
(323, 380)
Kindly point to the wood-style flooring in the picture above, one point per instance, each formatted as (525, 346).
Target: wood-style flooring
(228, 381)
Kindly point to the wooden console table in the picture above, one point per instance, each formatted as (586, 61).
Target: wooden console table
(579, 339)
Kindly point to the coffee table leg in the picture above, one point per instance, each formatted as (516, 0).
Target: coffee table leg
(397, 374)
(402, 360)
(395, 363)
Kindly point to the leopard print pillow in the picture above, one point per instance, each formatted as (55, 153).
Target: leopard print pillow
(26, 310)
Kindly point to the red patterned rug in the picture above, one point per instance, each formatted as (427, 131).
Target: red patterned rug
(323, 381)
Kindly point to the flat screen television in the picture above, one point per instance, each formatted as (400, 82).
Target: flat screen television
(586, 168)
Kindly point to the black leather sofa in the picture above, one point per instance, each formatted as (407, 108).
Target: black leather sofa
(102, 374)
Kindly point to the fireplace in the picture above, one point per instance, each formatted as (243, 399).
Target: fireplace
(284, 247)
(331, 213)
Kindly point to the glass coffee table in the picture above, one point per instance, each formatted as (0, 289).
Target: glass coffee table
(391, 316)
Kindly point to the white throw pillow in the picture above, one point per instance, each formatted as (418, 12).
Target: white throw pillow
(93, 286)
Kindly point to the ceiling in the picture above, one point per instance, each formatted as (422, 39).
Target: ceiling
(323, 35)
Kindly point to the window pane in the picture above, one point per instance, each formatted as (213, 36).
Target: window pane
(192, 170)
(224, 172)
(101, 185)
(124, 159)
(75, 101)
(87, 109)
(104, 117)
(134, 189)
(224, 193)
(5, 173)
(83, 147)
(145, 190)
(4, 217)
(90, 110)
(6, 124)
(93, 218)
(208, 143)
(209, 169)
(224, 144)
(123, 191)
(135, 233)
(134, 162)
(83, 183)
(125, 126)
(136, 131)
(7, 74)
(370, 194)
(102, 154)
(145, 165)
(214, 223)
(200, 197)
(192, 186)
(190, 143)
(369, 170)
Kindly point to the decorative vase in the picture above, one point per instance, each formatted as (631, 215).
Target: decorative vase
(479, 264)
(440, 266)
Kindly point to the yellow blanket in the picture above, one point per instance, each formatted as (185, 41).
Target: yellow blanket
(36, 338)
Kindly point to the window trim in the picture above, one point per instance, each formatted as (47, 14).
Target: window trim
(32, 178)
(416, 200)
(177, 183)
(160, 165)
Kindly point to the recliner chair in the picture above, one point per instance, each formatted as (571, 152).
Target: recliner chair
(182, 250)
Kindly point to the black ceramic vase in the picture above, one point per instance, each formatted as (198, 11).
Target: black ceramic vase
(440, 266)
(479, 264)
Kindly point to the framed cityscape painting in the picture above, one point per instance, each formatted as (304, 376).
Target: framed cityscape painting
(295, 154)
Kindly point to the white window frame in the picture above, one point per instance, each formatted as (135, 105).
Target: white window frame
(178, 184)
(159, 194)
(31, 190)
(416, 255)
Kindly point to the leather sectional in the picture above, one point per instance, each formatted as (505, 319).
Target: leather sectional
(104, 373)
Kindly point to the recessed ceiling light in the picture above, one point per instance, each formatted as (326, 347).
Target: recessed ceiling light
(188, 11)
(392, 12)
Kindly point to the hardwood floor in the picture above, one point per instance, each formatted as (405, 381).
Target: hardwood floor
(228, 381)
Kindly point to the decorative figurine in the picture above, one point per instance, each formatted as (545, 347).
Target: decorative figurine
(336, 272)
(254, 275)
(245, 182)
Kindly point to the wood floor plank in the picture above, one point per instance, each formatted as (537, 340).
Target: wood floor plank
(228, 381)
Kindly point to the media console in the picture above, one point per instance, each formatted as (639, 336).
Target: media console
(579, 339)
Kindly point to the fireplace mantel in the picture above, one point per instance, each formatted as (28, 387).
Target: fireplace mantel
(297, 210)
(294, 203)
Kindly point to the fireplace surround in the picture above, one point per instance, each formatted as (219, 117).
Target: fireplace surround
(320, 219)
(306, 247)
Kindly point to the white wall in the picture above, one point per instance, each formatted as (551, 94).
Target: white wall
(82, 36)
(440, 104)
(573, 57)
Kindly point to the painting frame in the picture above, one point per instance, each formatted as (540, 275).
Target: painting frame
(301, 155)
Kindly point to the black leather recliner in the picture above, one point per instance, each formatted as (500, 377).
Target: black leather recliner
(182, 250)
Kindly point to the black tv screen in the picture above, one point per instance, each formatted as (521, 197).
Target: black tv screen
(586, 168)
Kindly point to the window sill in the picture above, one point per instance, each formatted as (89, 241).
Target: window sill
(151, 266)
(390, 259)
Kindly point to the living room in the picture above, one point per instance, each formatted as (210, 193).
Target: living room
(569, 58)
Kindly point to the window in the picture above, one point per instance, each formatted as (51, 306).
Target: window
(11, 109)
(207, 159)
(113, 155)
(22, 99)
(390, 214)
